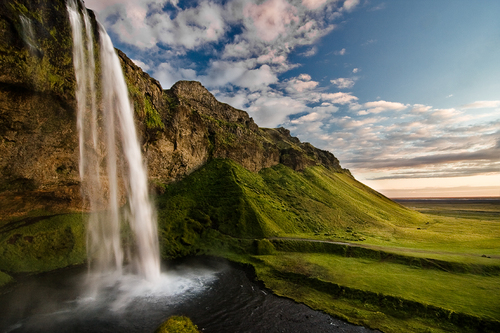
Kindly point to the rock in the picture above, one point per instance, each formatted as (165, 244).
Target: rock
(177, 324)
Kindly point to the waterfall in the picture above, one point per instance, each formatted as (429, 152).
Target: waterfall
(28, 34)
(107, 136)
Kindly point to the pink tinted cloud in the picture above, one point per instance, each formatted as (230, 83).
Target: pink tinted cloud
(271, 18)
(313, 4)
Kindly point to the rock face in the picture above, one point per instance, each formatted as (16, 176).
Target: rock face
(198, 128)
(38, 141)
(181, 128)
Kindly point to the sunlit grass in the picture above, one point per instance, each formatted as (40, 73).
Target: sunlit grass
(467, 293)
(223, 209)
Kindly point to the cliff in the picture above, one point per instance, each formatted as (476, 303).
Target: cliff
(38, 139)
(193, 127)
(181, 128)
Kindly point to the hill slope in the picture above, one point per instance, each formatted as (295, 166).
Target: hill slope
(275, 202)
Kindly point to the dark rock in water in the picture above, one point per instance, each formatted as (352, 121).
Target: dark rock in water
(181, 324)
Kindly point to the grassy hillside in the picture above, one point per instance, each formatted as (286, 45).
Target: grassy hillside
(324, 239)
(276, 202)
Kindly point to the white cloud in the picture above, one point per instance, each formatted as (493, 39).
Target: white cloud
(350, 4)
(300, 84)
(420, 108)
(348, 122)
(341, 52)
(355, 70)
(271, 109)
(442, 114)
(100, 5)
(143, 66)
(343, 83)
(256, 78)
(191, 27)
(304, 77)
(239, 49)
(339, 98)
(168, 75)
(325, 108)
(313, 4)
(309, 53)
(272, 58)
(313, 116)
(143, 23)
(271, 18)
(481, 105)
(382, 106)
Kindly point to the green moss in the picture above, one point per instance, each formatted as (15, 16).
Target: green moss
(19, 8)
(46, 64)
(208, 198)
(43, 244)
(5, 278)
(152, 118)
(264, 247)
(145, 109)
(177, 324)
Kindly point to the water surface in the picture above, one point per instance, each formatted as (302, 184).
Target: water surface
(216, 295)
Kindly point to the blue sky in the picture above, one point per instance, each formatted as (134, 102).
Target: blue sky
(405, 93)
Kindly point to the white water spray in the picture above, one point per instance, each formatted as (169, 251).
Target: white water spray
(125, 173)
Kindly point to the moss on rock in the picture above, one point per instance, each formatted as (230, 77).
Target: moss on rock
(5, 278)
(42, 243)
(177, 324)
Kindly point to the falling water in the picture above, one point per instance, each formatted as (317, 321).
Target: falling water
(28, 34)
(125, 173)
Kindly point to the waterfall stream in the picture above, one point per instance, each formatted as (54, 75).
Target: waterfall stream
(107, 136)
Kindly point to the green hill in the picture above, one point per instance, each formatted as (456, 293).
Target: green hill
(275, 202)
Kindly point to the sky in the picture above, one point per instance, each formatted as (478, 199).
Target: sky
(406, 94)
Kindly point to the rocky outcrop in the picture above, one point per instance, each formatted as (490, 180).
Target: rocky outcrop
(198, 128)
(181, 128)
(38, 141)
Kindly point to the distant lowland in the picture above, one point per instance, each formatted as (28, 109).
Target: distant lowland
(224, 187)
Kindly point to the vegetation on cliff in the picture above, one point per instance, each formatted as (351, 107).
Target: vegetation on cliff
(42, 243)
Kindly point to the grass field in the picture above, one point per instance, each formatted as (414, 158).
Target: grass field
(466, 280)
(324, 239)
(466, 293)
